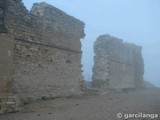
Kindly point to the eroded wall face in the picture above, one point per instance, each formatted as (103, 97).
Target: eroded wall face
(2, 15)
(118, 64)
(6, 59)
(101, 67)
(46, 52)
(45, 71)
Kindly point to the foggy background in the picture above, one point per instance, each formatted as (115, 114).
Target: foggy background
(134, 21)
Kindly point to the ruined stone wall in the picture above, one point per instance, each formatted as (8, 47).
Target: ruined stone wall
(117, 64)
(2, 14)
(46, 50)
(6, 53)
(8, 102)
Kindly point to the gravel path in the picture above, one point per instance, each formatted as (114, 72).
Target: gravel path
(103, 107)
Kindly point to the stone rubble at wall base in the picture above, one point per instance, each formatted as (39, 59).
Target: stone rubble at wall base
(10, 104)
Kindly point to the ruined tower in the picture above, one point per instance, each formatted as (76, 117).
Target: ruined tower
(117, 65)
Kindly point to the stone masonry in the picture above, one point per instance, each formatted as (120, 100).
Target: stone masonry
(2, 13)
(40, 53)
(117, 65)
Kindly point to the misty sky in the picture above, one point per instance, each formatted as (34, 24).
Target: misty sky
(134, 21)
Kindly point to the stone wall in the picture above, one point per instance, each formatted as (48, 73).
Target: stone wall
(8, 102)
(46, 51)
(117, 64)
(2, 14)
(6, 53)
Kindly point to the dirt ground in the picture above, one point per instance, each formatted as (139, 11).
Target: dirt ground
(134, 104)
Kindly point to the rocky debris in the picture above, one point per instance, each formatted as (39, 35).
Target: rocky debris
(88, 84)
(148, 85)
(10, 104)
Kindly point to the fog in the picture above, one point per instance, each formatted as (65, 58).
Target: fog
(134, 21)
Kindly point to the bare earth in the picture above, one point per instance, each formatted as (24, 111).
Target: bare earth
(103, 107)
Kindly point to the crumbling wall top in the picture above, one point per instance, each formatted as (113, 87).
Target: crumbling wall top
(105, 40)
(44, 24)
(54, 15)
